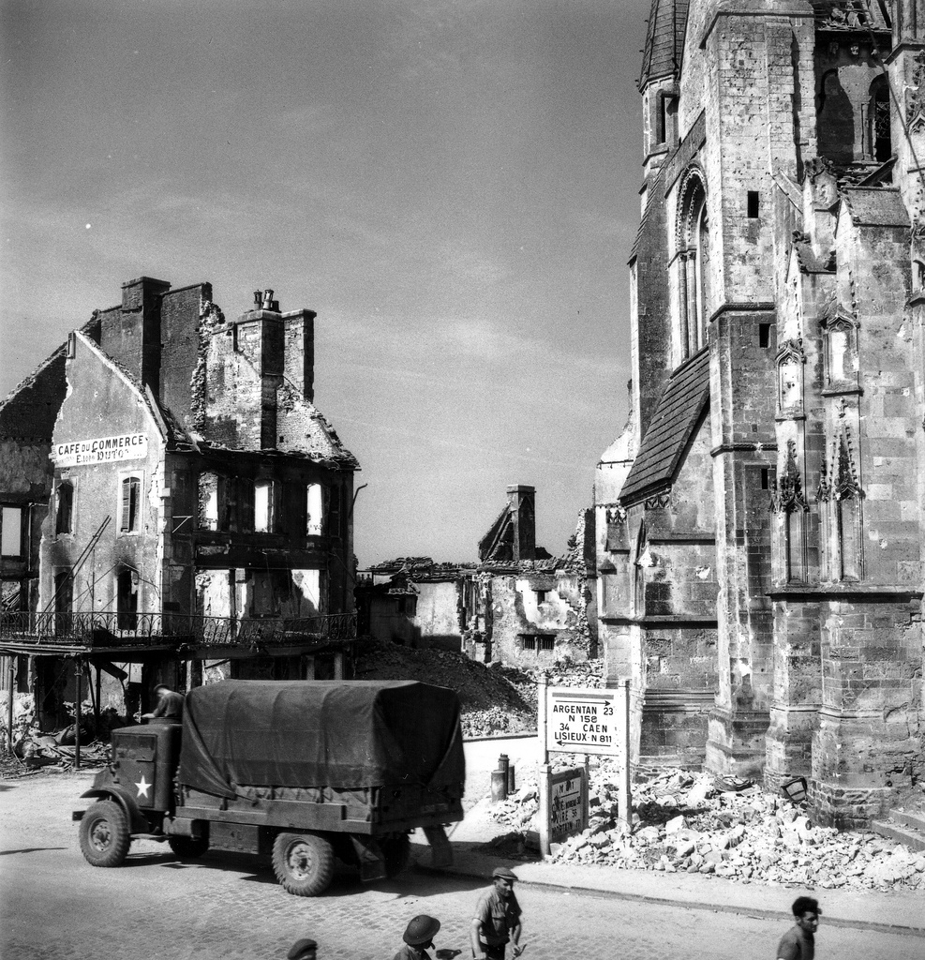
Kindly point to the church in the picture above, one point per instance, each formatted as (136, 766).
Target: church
(761, 519)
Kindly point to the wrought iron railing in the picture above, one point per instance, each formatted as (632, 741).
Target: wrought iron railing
(112, 628)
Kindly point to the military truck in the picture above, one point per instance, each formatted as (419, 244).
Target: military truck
(300, 771)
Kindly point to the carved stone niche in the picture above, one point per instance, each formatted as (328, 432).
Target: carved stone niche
(840, 351)
(790, 360)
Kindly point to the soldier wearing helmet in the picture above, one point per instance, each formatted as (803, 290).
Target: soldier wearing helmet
(419, 937)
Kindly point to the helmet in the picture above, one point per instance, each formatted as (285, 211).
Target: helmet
(421, 930)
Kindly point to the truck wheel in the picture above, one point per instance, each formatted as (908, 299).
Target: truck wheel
(303, 863)
(397, 853)
(104, 836)
(188, 848)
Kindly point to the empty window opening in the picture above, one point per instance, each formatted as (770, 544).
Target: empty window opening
(408, 606)
(764, 334)
(753, 204)
(541, 596)
(127, 599)
(64, 507)
(11, 532)
(131, 505)
(264, 506)
(314, 521)
(538, 642)
(765, 478)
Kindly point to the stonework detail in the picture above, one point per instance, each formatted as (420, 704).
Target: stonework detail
(781, 258)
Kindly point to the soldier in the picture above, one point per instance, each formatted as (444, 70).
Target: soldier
(169, 705)
(419, 937)
(497, 918)
(799, 942)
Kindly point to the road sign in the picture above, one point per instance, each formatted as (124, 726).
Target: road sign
(563, 804)
(583, 720)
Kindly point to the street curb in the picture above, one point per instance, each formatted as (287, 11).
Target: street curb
(757, 912)
(523, 735)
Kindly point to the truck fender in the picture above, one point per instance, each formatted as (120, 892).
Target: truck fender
(136, 819)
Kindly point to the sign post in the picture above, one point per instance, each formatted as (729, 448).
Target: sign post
(580, 720)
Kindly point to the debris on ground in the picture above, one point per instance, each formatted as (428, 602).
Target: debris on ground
(491, 702)
(684, 823)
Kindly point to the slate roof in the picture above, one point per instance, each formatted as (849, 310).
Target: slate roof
(876, 207)
(661, 55)
(683, 401)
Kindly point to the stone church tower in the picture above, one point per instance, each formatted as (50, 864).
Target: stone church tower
(761, 544)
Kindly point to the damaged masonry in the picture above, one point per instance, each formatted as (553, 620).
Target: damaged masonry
(174, 507)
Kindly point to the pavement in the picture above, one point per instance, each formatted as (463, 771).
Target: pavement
(889, 912)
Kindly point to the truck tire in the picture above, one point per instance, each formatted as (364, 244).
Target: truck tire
(104, 835)
(397, 853)
(303, 863)
(188, 848)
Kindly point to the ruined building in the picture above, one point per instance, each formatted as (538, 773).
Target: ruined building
(761, 521)
(172, 501)
(518, 605)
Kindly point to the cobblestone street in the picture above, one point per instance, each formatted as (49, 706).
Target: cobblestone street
(55, 905)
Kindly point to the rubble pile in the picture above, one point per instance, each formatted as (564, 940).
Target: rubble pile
(684, 822)
(495, 698)
(491, 703)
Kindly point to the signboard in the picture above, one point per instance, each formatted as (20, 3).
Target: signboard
(78, 453)
(567, 803)
(581, 720)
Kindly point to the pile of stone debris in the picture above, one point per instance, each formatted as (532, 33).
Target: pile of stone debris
(491, 702)
(495, 698)
(691, 822)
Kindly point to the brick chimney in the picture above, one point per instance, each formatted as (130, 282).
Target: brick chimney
(521, 505)
(299, 350)
(131, 334)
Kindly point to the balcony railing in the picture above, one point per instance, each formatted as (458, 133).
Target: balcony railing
(112, 628)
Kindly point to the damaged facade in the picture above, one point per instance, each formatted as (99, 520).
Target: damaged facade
(518, 605)
(762, 518)
(182, 504)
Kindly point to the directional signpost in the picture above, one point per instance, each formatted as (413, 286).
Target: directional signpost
(580, 720)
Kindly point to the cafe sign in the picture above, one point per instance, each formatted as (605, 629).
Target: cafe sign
(79, 453)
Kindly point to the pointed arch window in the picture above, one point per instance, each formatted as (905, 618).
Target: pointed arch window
(879, 119)
(693, 265)
(790, 360)
(840, 350)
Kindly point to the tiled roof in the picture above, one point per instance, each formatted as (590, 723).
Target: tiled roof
(661, 55)
(876, 207)
(685, 396)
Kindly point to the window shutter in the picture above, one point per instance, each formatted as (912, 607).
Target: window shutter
(126, 505)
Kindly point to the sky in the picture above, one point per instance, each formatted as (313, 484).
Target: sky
(452, 185)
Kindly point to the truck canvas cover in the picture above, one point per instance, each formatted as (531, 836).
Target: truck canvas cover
(308, 733)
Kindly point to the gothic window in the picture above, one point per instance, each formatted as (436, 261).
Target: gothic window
(918, 276)
(693, 266)
(790, 360)
(64, 507)
(841, 351)
(639, 577)
(879, 119)
(130, 505)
